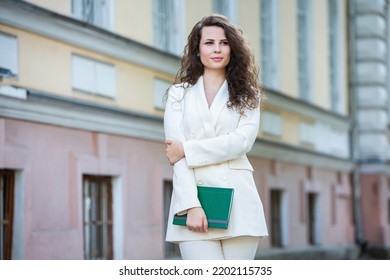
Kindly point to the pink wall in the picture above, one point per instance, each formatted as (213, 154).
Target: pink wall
(53, 160)
(375, 194)
(334, 195)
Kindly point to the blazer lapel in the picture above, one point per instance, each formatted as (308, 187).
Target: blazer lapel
(219, 102)
(202, 108)
(209, 116)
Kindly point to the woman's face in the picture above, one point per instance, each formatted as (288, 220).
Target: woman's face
(214, 48)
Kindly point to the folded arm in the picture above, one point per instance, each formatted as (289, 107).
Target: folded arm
(226, 147)
(184, 184)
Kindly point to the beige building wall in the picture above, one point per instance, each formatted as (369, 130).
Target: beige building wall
(49, 69)
(47, 66)
(249, 22)
(63, 7)
(195, 10)
(288, 48)
(134, 19)
(320, 54)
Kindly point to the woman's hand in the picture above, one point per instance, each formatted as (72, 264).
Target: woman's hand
(174, 151)
(197, 220)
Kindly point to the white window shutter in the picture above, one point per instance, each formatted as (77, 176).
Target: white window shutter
(93, 76)
(105, 80)
(160, 88)
(82, 74)
(9, 51)
(272, 123)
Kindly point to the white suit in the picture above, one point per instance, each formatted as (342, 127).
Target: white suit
(215, 142)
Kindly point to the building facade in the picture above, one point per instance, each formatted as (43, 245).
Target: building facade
(370, 92)
(82, 163)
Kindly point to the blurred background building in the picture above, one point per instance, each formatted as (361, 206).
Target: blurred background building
(83, 171)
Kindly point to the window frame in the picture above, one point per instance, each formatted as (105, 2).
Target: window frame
(171, 250)
(276, 218)
(7, 203)
(307, 133)
(105, 247)
(168, 16)
(160, 87)
(228, 8)
(106, 19)
(272, 123)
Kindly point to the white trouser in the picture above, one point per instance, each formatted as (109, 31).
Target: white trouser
(236, 248)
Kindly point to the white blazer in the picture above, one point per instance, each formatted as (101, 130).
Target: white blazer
(215, 142)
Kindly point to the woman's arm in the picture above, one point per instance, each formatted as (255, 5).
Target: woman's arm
(174, 151)
(184, 184)
(230, 146)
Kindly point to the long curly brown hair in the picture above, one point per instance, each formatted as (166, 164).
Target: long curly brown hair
(242, 73)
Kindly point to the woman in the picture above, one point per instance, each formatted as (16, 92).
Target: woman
(211, 121)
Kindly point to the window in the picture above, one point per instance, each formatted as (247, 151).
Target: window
(276, 218)
(96, 12)
(339, 142)
(325, 138)
(279, 218)
(171, 249)
(7, 182)
(169, 25)
(388, 211)
(387, 89)
(307, 133)
(304, 46)
(227, 8)
(335, 67)
(160, 88)
(312, 218)
(98, 218)
(9, 57)
(272, 123)
(93, 77)
(269, 44)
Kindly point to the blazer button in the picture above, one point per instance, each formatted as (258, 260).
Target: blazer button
(200, 182)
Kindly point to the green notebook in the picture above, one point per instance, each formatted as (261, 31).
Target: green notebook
(216, 203)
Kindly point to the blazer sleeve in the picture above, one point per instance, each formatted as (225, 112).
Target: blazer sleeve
(185, 193)
(233, 145)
